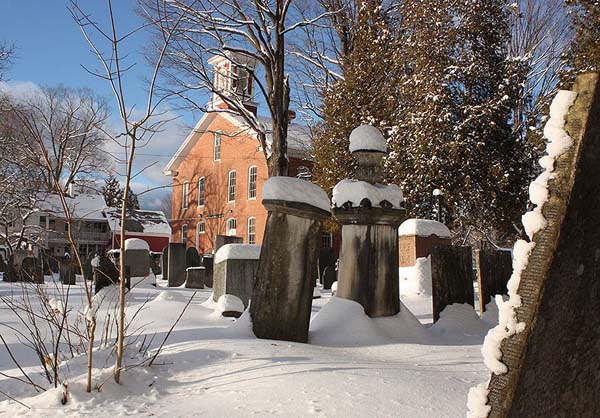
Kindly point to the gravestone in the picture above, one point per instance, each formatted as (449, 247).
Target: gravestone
(418, 236)
(234, 271)
(282, 294)
(554, 363)
(137, 257)
(31, 270)
(194, 278)
(192, 258)
(88, 273)
(493, 271)
(370, 214)
(451, 277)
(13, 268)
(164, 263)
(176, 264)
(105, 272)
(326, 259)
(208, 263)
(154, 262)
(2, 265)
(66, 271)
(329, 277)
(221, 240)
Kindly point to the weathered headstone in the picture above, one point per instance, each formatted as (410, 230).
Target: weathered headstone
(194, 278)
(327, 258)
(221, 240)
(105, 272)
(370, 214)
(234, 271)
(2, 265)
(282, 294)
(136, 257)
(493, 271)
(66, 271)
(88, 273)
(164, 263)
(554, 363)
(154, 261)
(329, 277)
(192, 258)
(208, 263)
(176, 264)
(31, 270)
(451, 277)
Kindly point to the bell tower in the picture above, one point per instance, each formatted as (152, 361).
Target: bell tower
(233, 78)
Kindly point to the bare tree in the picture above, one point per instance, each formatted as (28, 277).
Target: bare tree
(7, 53)
(249, 33)
(107, 46)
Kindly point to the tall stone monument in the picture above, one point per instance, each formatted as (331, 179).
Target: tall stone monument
(283, 289)
(553, 364)
(370, 214)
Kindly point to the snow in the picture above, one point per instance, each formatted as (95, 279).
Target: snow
(237, 252)
(290, 189)
(423, 228)
(416, 280)
(147, 222)
(533, 221)
(354, 191)
(83, 206)
(136, 244)
(367, 138)
(214, 366)
(230, 303)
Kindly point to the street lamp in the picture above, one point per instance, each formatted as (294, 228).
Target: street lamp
(438, 196)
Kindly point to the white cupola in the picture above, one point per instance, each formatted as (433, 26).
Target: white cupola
(233, 77)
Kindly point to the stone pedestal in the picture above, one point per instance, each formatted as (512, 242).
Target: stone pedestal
(176, 267)
(282, 295)
(194, 278)
(368, 271)
(66, 271)
(235, 274)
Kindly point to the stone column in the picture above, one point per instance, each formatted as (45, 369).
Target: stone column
(370, 214)
(283, 289)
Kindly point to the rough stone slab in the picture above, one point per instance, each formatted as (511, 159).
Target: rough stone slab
(176, 267)
(451, 277)
(192, 258)
(494, 268)
(235, 277)
(194, 278)
(554, 364)
(138, 262)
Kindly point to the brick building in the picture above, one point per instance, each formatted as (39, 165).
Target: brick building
(219, 170)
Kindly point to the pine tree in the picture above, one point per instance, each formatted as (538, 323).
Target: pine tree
(112, 192)
(367, 95)
(584, 53)
(132, 201)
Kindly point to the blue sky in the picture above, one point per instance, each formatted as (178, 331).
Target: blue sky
(50, 50)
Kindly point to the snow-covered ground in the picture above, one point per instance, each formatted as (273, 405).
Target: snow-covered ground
(353, 366)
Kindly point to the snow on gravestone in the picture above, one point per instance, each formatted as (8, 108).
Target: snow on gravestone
(136, 257)
(544, 354)
(235, 266)
(282, 294)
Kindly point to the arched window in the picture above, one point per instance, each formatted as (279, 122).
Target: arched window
(185, 194)
(231, 186)
(251, 230)
(252, 174)
(201, 191)
(231, 226)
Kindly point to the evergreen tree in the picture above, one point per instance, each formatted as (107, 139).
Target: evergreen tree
(367, 95)
(113, 194)
(132, 201)
(584, 52)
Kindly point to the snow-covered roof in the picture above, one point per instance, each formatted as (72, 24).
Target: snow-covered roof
(355, 191)
(423, 228)
(367, 138)
(84, 206)
(148, 222)
(237, 252)
(290, 189)
(299, 140)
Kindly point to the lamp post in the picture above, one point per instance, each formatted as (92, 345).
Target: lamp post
(438, 196)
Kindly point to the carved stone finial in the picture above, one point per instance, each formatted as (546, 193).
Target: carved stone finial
(368, 147)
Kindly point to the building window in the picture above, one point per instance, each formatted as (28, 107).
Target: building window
(326, 240)
(251, 230)
(231, 226)
(42, 221)
(217, 146)
(252, 182)
(200, 227)
(184, 233)
(185, 195)
(231, 186)
(200, 230)
(201, 191)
